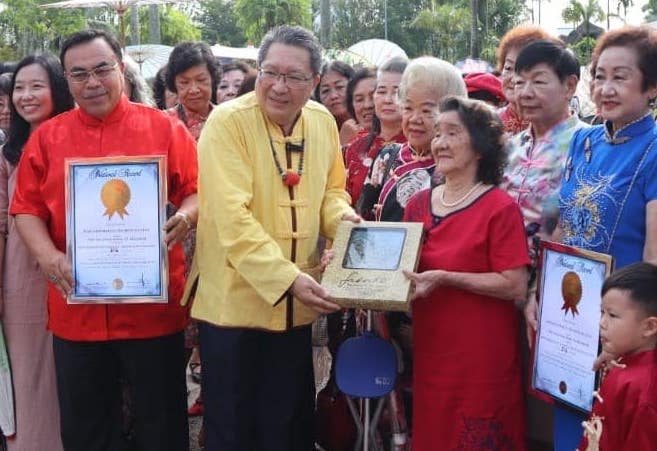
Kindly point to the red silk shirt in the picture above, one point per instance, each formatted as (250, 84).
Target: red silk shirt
(629, 407)
(130, 130)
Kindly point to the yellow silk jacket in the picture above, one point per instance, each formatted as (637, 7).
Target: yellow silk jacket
(250, 222)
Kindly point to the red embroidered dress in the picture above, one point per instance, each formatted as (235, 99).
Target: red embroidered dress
(467, 375)
(513, 123)
(193, 121)
(396, 175)
(358, 160)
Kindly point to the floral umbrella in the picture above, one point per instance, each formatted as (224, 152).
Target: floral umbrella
(470, 65)
(346, 56)
(242, 53)
(377, 51)
(119, 6)
(149, 57)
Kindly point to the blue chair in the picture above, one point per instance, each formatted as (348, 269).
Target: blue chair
(366, 367)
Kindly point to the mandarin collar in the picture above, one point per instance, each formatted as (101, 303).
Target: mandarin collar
(569, 122)
(641, 358)
(629, 131)
(276, 133)
(114, 116)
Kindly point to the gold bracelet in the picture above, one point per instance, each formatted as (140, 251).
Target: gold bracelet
(185, 218)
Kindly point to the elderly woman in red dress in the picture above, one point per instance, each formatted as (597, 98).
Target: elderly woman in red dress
(467, 375)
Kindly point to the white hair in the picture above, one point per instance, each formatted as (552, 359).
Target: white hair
(440, 76)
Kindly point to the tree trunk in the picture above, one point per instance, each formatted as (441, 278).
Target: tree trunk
(154, 36)
(325, 23)
(134, 25)
(475, 45)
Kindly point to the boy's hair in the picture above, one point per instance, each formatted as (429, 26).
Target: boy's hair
(640, 281)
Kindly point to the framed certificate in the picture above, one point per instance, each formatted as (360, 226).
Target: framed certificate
(115, 215)
(366, 271)
(568, 335)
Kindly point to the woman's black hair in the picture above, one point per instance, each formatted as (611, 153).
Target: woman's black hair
(187, 55)
(486, 133)
(396, 64)
(5, 83)
(360, 75)
(160, 87)
(247, 85)
(236, 65)
(339, 67)
(62, 100)
(7, 67)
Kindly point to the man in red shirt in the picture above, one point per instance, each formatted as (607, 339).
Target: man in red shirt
(96, 345)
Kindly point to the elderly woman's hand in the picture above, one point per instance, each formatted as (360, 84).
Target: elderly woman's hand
(424, 283)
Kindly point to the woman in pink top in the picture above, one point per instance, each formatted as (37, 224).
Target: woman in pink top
(38, 92)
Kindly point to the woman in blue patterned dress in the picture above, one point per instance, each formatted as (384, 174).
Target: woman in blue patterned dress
(608, 198)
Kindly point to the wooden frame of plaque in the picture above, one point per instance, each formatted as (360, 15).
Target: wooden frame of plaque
(366, 271)
(567, 341)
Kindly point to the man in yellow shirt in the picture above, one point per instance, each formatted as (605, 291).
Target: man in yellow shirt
(271, 181)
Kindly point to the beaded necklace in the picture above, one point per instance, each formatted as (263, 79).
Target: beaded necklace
(290, 177)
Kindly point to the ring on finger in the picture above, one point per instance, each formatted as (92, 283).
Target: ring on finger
(53, 278)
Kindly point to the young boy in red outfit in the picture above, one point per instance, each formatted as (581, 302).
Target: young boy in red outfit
(624, 416)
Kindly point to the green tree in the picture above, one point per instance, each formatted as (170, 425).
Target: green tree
(25, 27)
(455, 29)
(650, 10)
(475, 39)
(500, 16)
(578, 12)
(175, 26)
(446, 28)
(218, 23)
(256, 17)
(624, 5)
(325, 22)
(356, 20)
(400, 16)
(583, 49)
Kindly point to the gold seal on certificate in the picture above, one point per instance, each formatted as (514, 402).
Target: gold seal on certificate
(567, 339)
(366, 271)
(115, 214)
(571, 290)
(115, 195)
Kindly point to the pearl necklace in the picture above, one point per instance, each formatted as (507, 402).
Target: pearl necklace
(458, 201)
